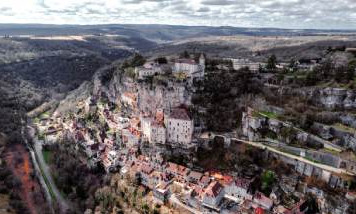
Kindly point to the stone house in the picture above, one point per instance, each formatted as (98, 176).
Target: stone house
(153, 131)
(179, 126)
(178, 171)
(213, 195)
(190, 67)
(161, 193)
(110, 160)
(145, 172)
(150, 69)
(238, 189)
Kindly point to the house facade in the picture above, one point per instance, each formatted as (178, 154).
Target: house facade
(179, 127)
(190, 67)
(213, 195)
(238, 189)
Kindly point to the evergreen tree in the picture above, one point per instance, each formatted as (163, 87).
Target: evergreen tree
(271, 63)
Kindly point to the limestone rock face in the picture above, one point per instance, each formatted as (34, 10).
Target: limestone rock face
(250, 126)
(162, 97)
(330, 98)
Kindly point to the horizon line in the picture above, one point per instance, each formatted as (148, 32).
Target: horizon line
(181, 25)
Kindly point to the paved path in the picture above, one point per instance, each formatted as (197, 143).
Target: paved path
(37, 169)
(46, 172)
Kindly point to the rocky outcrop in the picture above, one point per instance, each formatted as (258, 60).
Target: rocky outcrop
(112, 83)
(73, 98)
(343, 138)
(330, 98)
(348, 119)
(254, 126)
(162, 97)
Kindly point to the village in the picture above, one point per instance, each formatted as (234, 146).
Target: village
(129, 135)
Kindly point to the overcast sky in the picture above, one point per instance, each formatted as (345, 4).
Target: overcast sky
(321, 14)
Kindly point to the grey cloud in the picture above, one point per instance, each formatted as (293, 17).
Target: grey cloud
(255, 13)
(218, 2)
(203, 9)
(141, 1)
(6, 11)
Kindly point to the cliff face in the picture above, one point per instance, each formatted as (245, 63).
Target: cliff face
(150, 96)
(330, 98)
(335, 98)
(162, 97)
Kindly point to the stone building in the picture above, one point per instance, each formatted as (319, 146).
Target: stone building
(190, 67)
(150, 69)
(179, 127)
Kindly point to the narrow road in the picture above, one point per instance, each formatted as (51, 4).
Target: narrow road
(37, 168)
(272, 149)
(295, 157)
(44, 168)
(322, 166)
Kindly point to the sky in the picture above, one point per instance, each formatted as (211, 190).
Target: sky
(297, 14)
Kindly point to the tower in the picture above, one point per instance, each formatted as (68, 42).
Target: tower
(202, 64)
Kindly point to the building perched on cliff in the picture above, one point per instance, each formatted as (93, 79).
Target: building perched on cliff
(243, 63)
(150, 69)
(190, 67)
(179, 127)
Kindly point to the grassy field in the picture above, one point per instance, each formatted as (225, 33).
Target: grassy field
(344, 128)
(268, 114)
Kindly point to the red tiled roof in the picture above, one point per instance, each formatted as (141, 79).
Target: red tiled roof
(226, 179)
(205, 179)
(177, 169)
(259, 210)
(195, 175)
(213, 189)
(146, 168)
